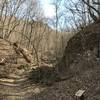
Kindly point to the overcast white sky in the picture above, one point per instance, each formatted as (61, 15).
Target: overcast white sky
(48, 8)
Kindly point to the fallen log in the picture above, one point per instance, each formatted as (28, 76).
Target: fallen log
(20, 50)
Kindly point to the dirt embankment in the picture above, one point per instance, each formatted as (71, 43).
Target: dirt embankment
(84, 41)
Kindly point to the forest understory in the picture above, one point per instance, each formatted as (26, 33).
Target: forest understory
(27, 81)
(49, 49)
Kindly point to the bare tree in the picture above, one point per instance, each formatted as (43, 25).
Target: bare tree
(8, 13)
(93, 10)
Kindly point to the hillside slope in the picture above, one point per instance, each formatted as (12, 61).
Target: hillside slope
(84, 42)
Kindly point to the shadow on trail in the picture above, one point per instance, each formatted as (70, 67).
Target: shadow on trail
(44, 75)
(47, 76)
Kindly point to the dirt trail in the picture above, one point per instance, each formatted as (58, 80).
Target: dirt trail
(17, 88)
(15, 83)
